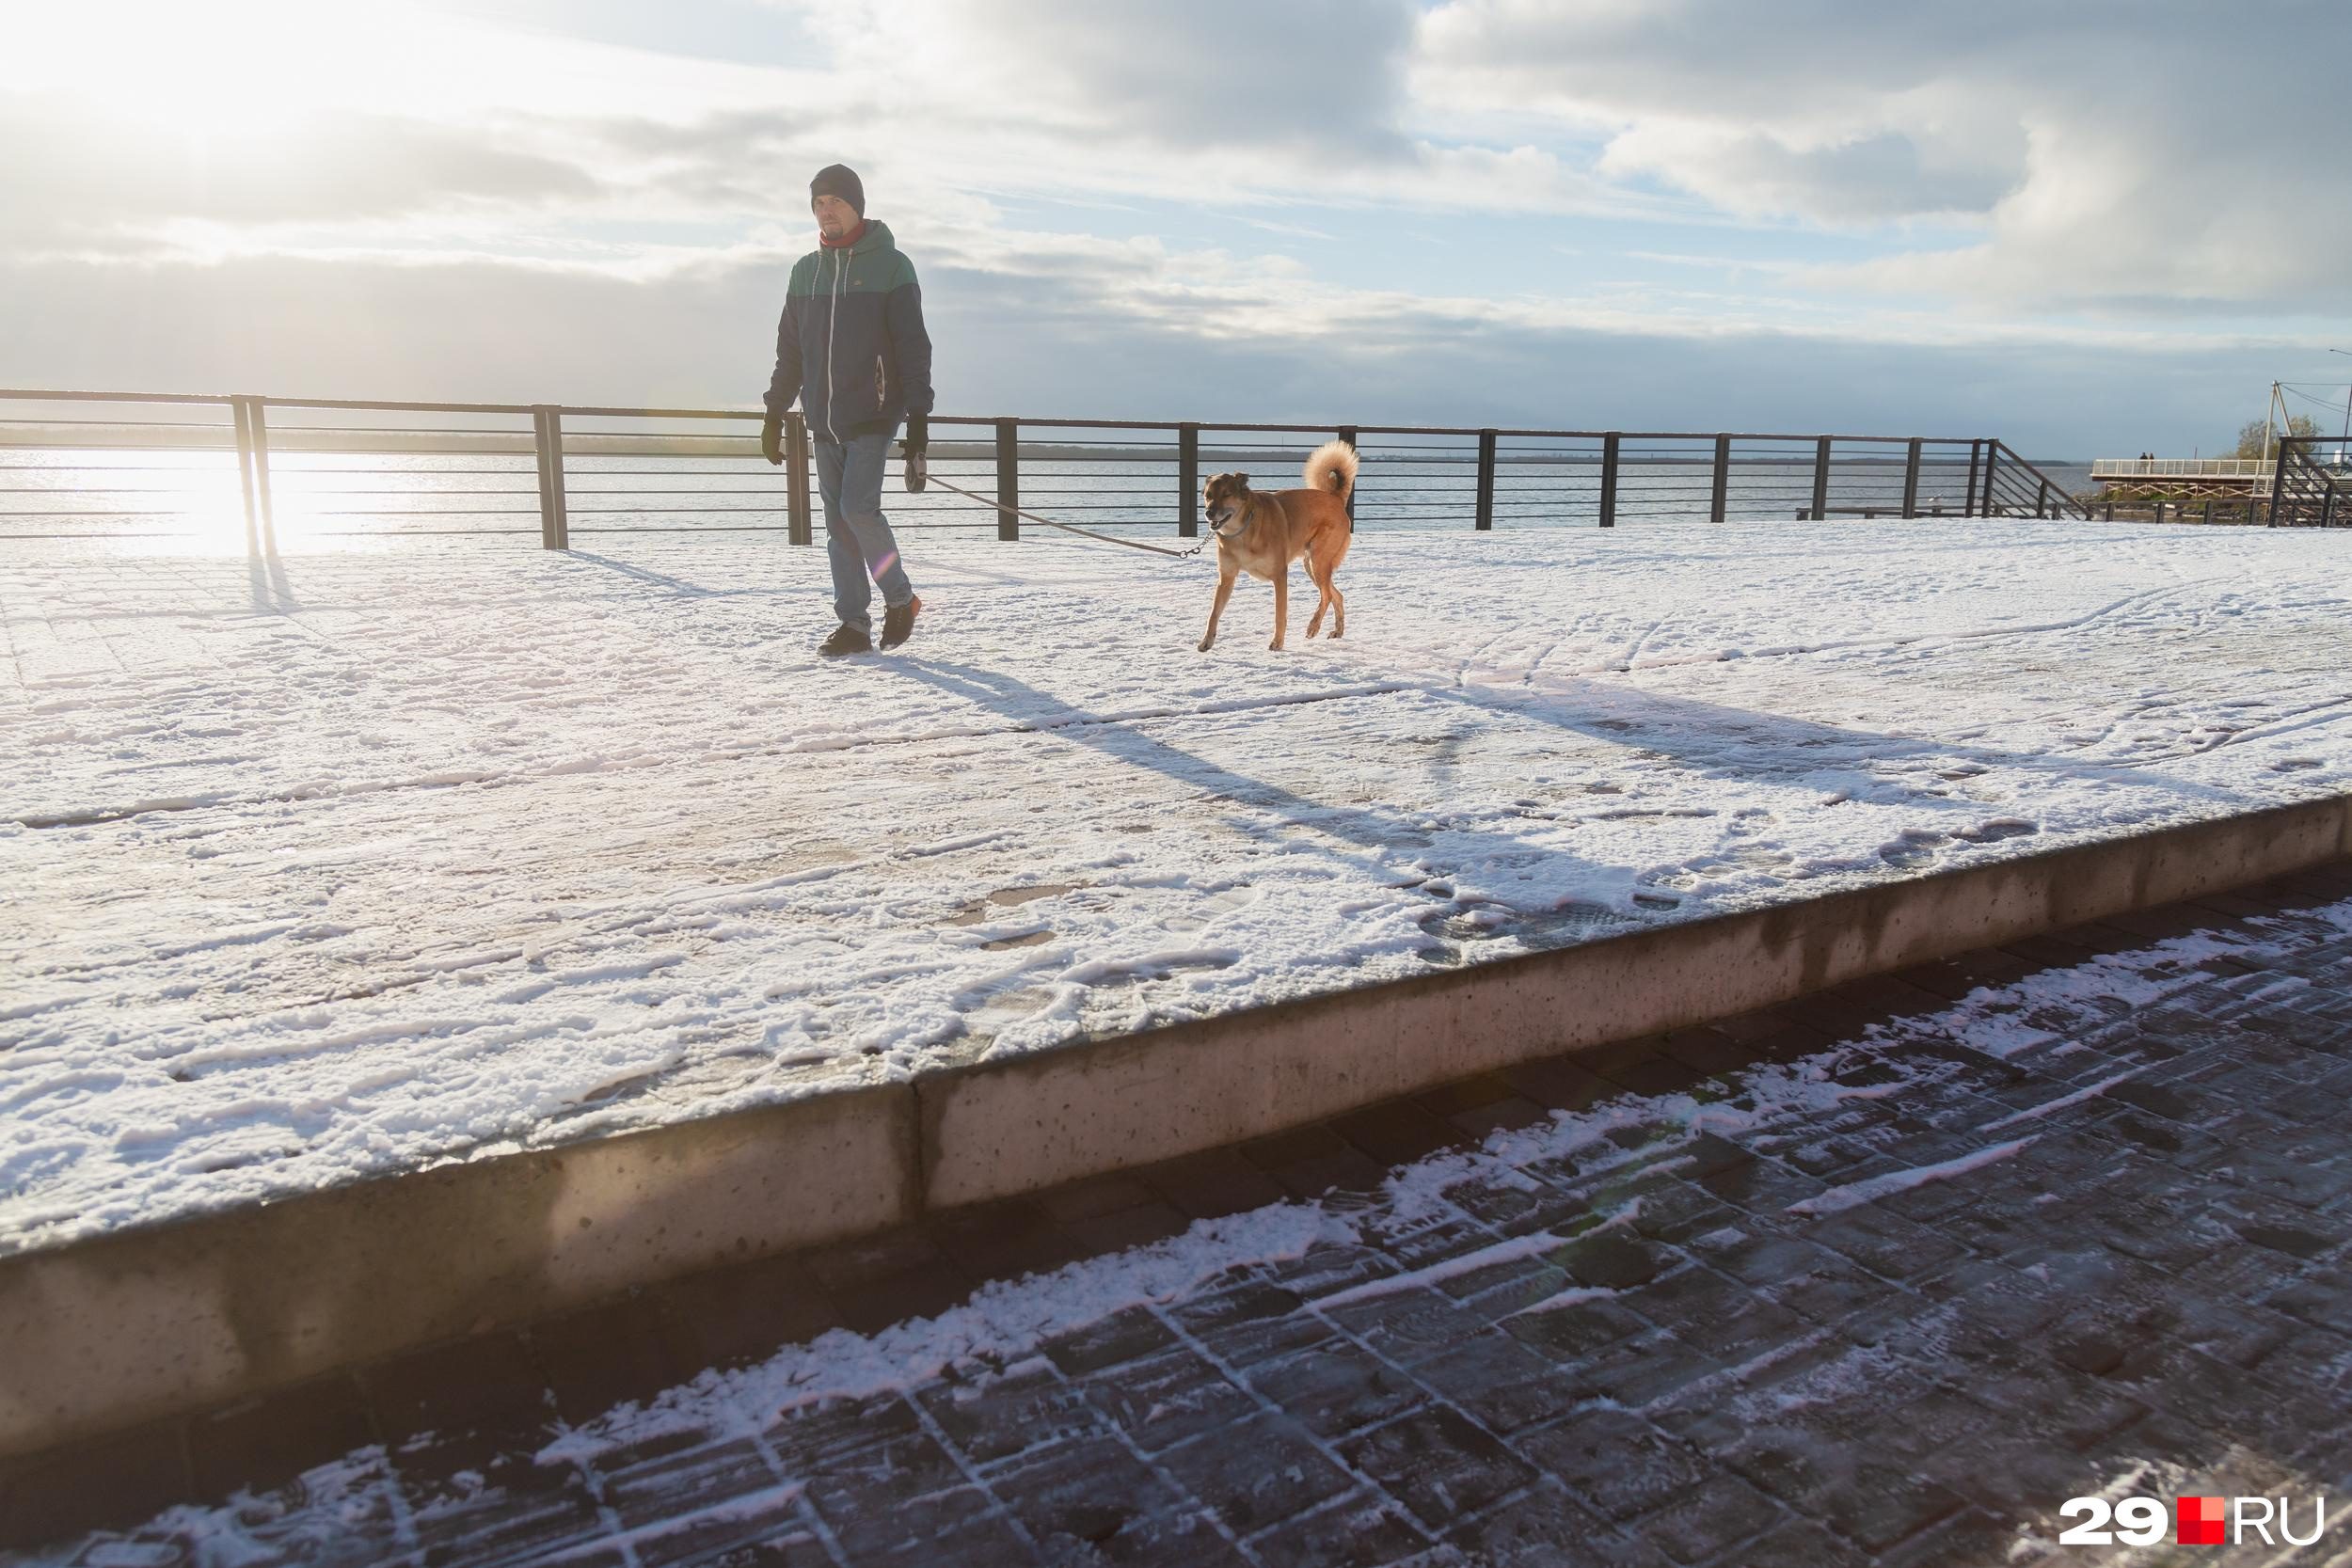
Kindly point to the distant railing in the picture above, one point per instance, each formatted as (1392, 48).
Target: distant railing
(2182, 468)
(2313, 487)
(151, 464)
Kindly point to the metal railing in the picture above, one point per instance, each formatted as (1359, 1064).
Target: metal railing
(2313, 487)
(2181, 468)
(150, 464)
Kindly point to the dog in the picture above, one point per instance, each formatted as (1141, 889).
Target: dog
(1261, 532)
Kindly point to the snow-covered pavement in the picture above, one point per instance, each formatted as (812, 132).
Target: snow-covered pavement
(356, 860)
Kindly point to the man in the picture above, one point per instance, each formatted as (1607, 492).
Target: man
(851, 347)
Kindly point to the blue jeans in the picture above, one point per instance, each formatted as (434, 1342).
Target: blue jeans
(858, 540)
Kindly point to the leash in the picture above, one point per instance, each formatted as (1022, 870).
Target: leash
(1065, 527)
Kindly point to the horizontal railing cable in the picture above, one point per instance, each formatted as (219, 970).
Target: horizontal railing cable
(291, 465)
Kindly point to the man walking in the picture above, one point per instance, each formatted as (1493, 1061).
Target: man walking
(851, 347)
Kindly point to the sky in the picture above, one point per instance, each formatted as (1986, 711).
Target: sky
(2092, 229)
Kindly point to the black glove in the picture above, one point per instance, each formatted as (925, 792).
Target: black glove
(913, 449)
(772, 439)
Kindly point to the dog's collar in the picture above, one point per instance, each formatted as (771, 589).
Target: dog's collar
(1247, 507)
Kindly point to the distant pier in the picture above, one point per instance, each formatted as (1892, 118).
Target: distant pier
(2183, 477)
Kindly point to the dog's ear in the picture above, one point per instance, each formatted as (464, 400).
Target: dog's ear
(1241, 481)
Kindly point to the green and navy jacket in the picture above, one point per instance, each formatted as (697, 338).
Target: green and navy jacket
(850, 344)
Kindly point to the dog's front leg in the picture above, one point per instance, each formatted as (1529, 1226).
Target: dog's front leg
(1216, 610)
(1281, 605)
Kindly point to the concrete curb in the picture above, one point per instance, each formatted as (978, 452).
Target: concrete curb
(134, 1326)
(996, 1129)
(151, 1322)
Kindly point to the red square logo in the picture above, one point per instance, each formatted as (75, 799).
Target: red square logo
(2199, 1521)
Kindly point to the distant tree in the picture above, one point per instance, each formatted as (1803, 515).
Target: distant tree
(2249, 438)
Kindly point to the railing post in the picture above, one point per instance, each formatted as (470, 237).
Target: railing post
(2042, 502)
(2278, 481)
(1820, 481)
(546, 440)
(800, 524)
(1718, 507)
(1007, 477)
(1486, 481)
(240, 418)
(1608, 480)
(1992, 461)
(1911, 478)
(256, 416)
(1189, 481)
(1347, 433)
(1968, 501)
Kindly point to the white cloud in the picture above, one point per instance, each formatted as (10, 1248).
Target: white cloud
(1322, 76)
(2110, 153)
(1865, 176)
(98, 179)
(1125, 332)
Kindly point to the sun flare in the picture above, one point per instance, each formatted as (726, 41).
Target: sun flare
(222, 69)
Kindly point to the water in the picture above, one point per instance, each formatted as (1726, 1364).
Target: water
(196, 494)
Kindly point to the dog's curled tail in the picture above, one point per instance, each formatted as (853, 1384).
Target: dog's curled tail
(1333, 469)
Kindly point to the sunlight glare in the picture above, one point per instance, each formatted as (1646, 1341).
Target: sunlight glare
(222, 69)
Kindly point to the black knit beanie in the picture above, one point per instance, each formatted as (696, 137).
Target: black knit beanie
(838, 180)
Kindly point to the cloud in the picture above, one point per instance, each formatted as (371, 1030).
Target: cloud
(2107, 154)
(520, 137)
(1225, 104)
(1866, 178)
(1119, 328)
(1163, 211)
(74, 175)
(1320, 76)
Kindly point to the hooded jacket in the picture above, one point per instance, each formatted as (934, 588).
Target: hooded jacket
(851, 343)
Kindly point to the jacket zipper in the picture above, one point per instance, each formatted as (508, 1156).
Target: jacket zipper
(833, 326)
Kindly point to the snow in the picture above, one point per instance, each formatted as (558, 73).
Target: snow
(1870, 1188)
(414, 850)
(2003, 1020)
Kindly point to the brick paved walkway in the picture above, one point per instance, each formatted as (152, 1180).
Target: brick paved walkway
(2086, 1231)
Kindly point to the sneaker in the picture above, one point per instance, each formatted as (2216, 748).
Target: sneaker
(898, 622)
(846, 639)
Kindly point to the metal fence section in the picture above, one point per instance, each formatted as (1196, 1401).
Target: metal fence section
(345, 468)
(2312, 486)
(272, 470)
(84, 465)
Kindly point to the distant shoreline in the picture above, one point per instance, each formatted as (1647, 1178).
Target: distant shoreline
(132, 437)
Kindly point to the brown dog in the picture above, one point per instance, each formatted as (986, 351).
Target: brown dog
(1263, 532)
